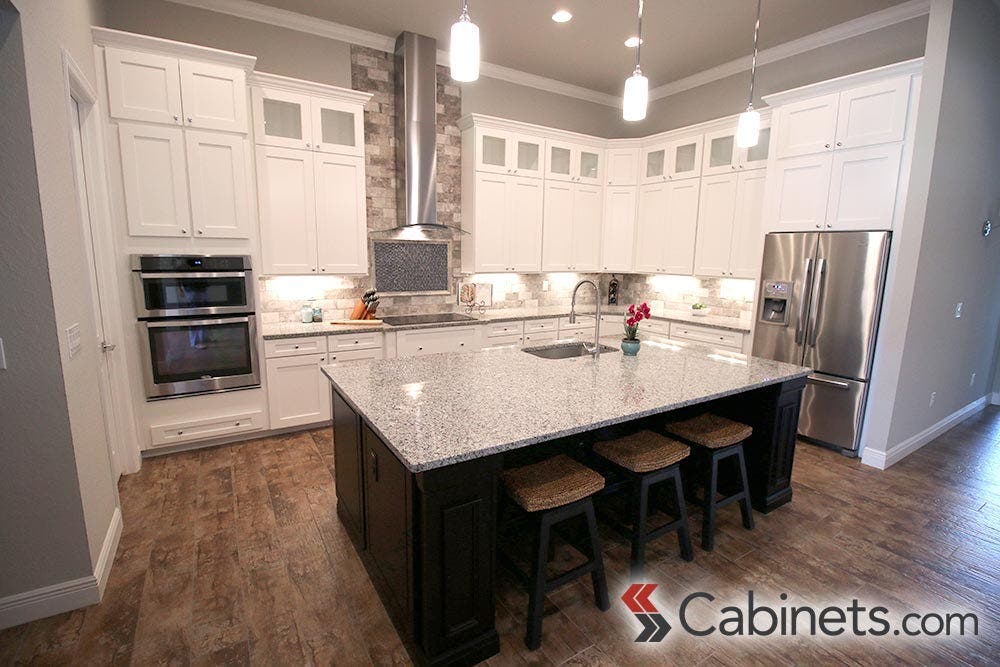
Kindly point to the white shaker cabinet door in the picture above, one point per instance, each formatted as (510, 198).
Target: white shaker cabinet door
(287, 210)
(863, 188)
(716, 213)
(215, 96)
(622, 166)
(557, 226)
(798, 193)
(587, 213)
(748, 235)
(297, 391)
(619, 228)
(807, 127)
(338, 127)
(873, 114)
(155, 180)
(282, 118)
(143, 86)
(341, 220)
(491, 220)
(217, 177)
(651, 228)
(523, 223)
(682, 225)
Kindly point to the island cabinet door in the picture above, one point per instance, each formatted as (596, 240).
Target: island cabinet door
(347, 470)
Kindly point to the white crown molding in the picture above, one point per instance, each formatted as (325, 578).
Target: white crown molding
(287, 83)
(853, 28)
(905, 68)
(294, 21)
(130, 40)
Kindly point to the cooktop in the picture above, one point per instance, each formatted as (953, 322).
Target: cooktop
(439, 318)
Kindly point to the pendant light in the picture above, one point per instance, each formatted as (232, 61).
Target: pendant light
(636, 96)
(748, 125)
(464, 54)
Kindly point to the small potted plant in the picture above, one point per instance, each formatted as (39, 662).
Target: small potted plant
(634, 315)
(700, 309)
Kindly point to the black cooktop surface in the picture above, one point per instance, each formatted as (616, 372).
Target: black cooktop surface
(440, 318)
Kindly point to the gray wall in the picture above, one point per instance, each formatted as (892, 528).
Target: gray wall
(56, 491)
(896, 43)
(955, 262)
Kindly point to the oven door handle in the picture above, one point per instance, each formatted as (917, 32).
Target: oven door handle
(185, 322)
(193, 274)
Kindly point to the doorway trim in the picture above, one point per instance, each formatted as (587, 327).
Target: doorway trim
(125, 458)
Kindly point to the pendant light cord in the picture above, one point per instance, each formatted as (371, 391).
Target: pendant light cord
(638, 47)
(753, 63)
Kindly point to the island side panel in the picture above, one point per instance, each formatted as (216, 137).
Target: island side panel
(773, 412)
(347, 471)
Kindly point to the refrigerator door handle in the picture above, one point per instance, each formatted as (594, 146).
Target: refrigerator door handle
(817, 300)
(800, 317)
(830, 383)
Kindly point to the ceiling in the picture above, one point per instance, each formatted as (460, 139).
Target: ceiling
(681, 37)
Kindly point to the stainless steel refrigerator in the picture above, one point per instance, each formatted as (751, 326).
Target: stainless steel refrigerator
(821, 294)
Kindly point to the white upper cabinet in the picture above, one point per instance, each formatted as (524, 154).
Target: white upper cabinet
(730, 239)
(502, 152)
(292, 118)
(338, 127)
(217, 168)
(282, 118)
(684, 157)
(721, 154)
(155, 180)
(618, 238)
(755, 157)
(572, 162)
(341, 228)
(799, 188)
(622, 166)
(653, 165)
(666, 227)
(807, 127)
(506, 224)
(651, 228)
(873, 114)
(285, 190)
(748, 233)
(158, 88)
(587, 214)
(863, 188)
(523, 223)
(571, 239)
(143, 86)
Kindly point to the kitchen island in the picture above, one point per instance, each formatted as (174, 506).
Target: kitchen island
(419, 442)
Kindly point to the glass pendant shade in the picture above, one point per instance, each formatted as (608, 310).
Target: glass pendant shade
(464, 53)
(748, 129)
(636, 97)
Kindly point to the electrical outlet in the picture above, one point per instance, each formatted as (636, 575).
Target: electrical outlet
(958, 309)
(933, 398)
(972, 379)
(545, 285)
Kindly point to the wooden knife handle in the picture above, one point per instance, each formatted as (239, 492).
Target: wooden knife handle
(359, 310)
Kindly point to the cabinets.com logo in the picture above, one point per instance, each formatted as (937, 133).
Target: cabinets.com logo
(753, 618)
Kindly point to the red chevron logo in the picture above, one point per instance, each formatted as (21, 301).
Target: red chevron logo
(636, 598)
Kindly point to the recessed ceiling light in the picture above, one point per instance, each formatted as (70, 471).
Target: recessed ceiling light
(633, 42)
(561, 16)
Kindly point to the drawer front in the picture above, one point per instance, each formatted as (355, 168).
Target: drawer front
(707, 335)
(582, 322)
(164, 435)
(435, 341)
(535, 326)
(290, 347)
(497, 342)
(504, 329)
(345, 356)
(540, 337)
(656, 326)
(355, 341)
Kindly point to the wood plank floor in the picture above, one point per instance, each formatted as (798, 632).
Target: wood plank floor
(234, 555)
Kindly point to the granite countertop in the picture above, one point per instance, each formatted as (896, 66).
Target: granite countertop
(445, 408)
(277, 330)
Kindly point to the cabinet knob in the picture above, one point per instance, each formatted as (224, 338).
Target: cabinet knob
(236, 424)
(461, 344)
(176, 118)
(190, 120)
(818, 226)
(180, 432)
(840, 143)
(296, 347)
(314, 269)
(201, 231)
(419, 349)
(184, 231)
(515, 171)
(734, 166)
(826, 145)
(829, 225)
(307, 145)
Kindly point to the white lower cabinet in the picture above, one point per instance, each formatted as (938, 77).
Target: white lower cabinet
(420, 342)
(723, 338)
(666, 227)
(297, 391)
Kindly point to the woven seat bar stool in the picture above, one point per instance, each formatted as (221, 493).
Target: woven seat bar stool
(648, 458)
(718, 439)
(553, 491)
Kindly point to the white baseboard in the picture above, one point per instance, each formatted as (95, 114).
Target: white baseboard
(898, 452)
(67, 595)
(996, 398)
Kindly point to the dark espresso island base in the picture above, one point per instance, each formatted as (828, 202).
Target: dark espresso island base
(426, 527)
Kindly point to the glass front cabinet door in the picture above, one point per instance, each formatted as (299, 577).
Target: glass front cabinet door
(282, 118)
(338, 127)
(684, 158)
(654, 165)
(589, 162)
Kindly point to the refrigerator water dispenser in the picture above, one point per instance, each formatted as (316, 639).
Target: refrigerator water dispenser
(776, 297)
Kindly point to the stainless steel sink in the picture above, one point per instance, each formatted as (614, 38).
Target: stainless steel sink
(564, 350)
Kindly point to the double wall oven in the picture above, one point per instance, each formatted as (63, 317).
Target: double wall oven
(197, 323)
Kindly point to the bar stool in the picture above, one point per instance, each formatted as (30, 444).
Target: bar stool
(553, 491)
(649, 458)
(719, 438)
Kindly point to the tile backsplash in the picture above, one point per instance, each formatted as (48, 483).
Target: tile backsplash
(728, 297)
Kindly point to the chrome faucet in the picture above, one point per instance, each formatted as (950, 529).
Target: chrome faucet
(597, 324)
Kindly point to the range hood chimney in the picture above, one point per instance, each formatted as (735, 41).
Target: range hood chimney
(416, 141)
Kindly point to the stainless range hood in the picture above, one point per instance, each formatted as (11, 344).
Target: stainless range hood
(416, 142)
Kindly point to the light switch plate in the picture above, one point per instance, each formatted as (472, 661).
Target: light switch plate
(73, 343)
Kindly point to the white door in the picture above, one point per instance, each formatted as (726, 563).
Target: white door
(215, 96)
(755, 157)
(589, 165)
(143, 86)
(338, 127)
(490, 223)
(721, 154)
(748, 234)
(651, 229)
(282, 118)
(682, 225)
(155, 180)
(285, 191)
(798, 190)
(559, 161)
(622, 166)
(297, 391)
(588, 208)
(524, 223)
(873, 114)
(716, 213)
(807, 127)
(217, 179)
(341, 219)
(653, 165)
(557, 227)
(493, 151)
(527, 155)
(684, 157)
(863, 188)
(619, 228)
